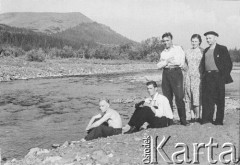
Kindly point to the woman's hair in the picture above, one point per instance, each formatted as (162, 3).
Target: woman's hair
(198, 37)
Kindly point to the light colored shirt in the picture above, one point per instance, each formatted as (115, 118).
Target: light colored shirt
(178, 57)
(162, 104)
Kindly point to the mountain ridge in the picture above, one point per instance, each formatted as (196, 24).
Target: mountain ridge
(43, 22)
(71, 26)
(101, 33)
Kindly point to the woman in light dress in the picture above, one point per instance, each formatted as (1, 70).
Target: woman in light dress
(193, 78)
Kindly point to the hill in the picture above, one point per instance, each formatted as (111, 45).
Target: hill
(94, 31)
(74, 27)
(28, 39)
(43, 22)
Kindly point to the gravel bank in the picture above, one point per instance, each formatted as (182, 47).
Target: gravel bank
(19, 68)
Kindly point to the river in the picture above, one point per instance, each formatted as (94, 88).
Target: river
(41, 112)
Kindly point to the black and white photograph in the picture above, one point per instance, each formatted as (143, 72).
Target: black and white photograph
(119, 82)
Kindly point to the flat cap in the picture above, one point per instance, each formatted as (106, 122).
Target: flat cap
(211, 32)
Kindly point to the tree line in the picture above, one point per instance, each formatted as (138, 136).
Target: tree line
(38, 46)
(28, 39)
(148, 50)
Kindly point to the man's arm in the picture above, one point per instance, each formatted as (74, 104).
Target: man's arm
(137, 105)
(92, 120)
(153, 108)
(227, 61)
(164, 63)
(100, 121)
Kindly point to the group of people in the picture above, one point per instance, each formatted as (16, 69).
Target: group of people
(198, 75)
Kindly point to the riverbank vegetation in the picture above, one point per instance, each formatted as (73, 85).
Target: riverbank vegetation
(38, 46)
(26, 54)
(148, 50)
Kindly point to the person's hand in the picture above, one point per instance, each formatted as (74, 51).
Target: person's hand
(170, 60)
(139, 104)
(147, 104)
(88, 128)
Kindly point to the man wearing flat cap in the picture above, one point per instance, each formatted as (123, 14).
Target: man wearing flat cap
(217, 65)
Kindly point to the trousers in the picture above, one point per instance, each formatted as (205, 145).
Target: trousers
(102, 131)
(213, 94)
(145, 114)
(172, 83)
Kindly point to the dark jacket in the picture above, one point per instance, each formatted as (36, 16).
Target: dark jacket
(222, 60)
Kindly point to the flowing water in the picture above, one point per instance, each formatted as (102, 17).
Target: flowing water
(41, 112)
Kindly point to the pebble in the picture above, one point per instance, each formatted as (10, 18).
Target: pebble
(42, 151)
(65, 144)
(52, 159)
(55, 145)
(110, 155)
(100, 156)
(33, 151)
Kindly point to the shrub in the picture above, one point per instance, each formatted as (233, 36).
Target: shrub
(53, 53)
(102, 53)
(36, 55)
(153, 57)
(134, 55)
(80, 53)
(66, 52)
(235, 54)
(12, 51)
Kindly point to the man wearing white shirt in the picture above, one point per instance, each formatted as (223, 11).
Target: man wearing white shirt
(171, 61)
(155, 110)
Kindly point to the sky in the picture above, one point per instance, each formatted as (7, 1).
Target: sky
(142, 19)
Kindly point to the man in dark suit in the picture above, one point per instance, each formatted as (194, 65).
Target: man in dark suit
(217, 66)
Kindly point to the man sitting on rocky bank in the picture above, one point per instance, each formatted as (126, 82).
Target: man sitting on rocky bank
(155, 110)
(105, 124)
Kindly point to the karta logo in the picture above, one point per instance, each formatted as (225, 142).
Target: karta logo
(154, 152)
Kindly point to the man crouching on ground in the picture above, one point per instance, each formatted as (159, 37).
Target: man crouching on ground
(105, 124)
(155, 110)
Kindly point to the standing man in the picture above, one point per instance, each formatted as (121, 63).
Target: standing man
(172, 60)
(217, 66)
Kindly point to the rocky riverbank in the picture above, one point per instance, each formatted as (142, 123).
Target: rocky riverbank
(128, 149)
(14, 68)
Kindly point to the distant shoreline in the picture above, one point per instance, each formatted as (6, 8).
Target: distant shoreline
(19, 69)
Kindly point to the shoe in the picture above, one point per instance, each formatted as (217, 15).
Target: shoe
(217, 123)
(131, 130)
(204, 122)
(176, 122)
(192, 121)
(170, 122)
(185, 123)
(197, 120)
